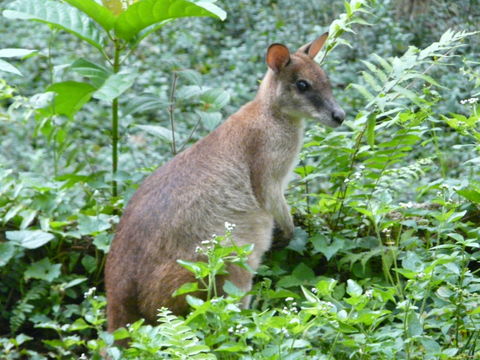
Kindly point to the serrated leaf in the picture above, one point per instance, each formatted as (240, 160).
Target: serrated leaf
(7, 67)
(43, 270)
(59, 15)
(30, 239)
(148, 12)
(70, 97)
(115, 85)
(97, 12)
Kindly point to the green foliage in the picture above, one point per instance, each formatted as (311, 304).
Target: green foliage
(384, 262)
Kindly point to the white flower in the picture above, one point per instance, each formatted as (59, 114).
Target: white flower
(314, 290)
(90, 292)
(229, 226)
(289, 299)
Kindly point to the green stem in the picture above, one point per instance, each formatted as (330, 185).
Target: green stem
(116, 69)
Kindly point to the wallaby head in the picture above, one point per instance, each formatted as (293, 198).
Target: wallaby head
(297, 87)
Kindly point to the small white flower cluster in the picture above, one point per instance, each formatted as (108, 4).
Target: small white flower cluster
(239, 329)
(83, 357)
(326, 306)
(369, 293)
(207, 245)
(229, 227)
(90, 292)
(387, 231)
(471, 101)
(314, 290)
(293, 307)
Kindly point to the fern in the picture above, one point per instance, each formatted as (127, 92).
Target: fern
(24, 306)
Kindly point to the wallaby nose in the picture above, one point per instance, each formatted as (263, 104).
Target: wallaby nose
(338, 115)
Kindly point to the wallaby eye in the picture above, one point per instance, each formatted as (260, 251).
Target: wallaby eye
(302, 85)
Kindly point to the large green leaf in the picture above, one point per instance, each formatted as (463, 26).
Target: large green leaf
(70, 97)
(59, 15)
(148, 12)
(97, 12)
(43, 270)
(30, 239)
(96, 73)
(115, 85)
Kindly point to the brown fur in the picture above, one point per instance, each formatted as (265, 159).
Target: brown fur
(237, 174)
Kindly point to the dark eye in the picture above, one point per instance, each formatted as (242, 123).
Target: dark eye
(302, 85)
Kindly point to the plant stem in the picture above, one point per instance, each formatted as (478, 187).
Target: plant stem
(171, 109)
(116, 69)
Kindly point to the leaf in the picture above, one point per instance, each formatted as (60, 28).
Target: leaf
(191, 76)
(322, 244)
(299, 241)
(70, 97)
(92, 225)
(353, 289)
(98, 74)
(7, 67)
(215, 99)
(160, 131)
(303, 272)
(148, 12)
(43, 270)
(414, 325)
(363, 91)
(470, 194)
(210, 120)
(7, 251)
(143, 103)
(232, 290)
(186, 288)
(9, 53)
(97, 12)
(29, 239)
(115, 85)
(59, 15)
(371, 122)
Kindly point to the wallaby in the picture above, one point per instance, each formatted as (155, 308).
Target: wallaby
(236, 174)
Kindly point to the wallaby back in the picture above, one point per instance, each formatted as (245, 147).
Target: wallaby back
(236, 174)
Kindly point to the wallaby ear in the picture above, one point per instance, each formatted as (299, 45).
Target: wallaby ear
(278, 57)
(315, 46)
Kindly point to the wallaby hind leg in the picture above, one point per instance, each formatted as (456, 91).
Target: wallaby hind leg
(121, 312)
(158, 288)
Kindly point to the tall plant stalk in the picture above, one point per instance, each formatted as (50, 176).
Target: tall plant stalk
(116, 69)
